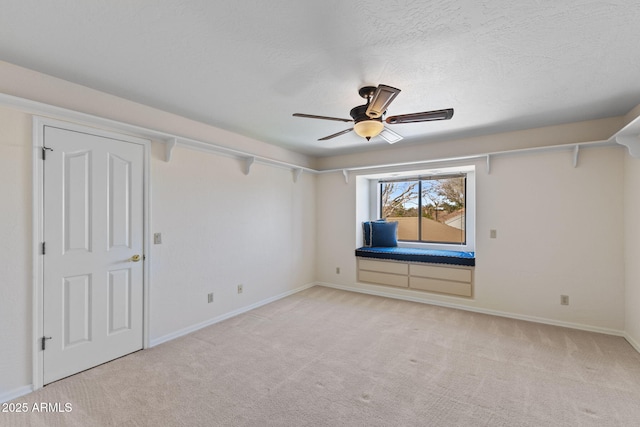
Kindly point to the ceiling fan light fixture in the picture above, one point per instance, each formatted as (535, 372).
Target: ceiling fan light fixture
(368, 128)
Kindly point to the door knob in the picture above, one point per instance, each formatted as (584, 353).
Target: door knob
(134, 258)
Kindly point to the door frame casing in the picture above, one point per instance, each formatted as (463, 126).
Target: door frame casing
(38, 231)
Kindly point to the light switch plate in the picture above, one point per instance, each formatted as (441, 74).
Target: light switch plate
(157, 238)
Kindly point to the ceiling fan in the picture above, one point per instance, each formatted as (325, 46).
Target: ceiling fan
(368, 118)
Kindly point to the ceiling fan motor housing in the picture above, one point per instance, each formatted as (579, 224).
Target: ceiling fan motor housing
(359, 114)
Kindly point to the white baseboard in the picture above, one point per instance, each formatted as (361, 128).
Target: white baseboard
(380, 292)
(635, 344)
(14, 394)
(193, 328)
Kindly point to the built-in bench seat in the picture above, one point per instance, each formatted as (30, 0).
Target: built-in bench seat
(418, 255)
(443, 272)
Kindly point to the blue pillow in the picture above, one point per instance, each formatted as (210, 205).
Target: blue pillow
(384, 234)
(366, 231)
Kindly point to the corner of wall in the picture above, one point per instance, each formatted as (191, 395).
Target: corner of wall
(632, 250)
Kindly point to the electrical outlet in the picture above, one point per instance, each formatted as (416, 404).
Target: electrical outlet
(210, 298)
(337, 270)
(564, 299)
(157, 238)
(240, 289)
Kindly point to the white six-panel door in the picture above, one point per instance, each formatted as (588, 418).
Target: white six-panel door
(93, 233)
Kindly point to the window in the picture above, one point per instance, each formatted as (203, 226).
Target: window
(429, 209)
(426, 191)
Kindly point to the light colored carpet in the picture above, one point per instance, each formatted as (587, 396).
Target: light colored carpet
(325, 357)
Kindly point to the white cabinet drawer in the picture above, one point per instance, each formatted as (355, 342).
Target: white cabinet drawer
(444, 273)
(384, 266)
(441, 286)
(383, 278)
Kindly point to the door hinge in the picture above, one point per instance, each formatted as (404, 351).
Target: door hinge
(43, 248)
(44, 342)
(44, 152)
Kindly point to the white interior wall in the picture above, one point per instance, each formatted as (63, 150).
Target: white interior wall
(15, 252)
(221, 228)
(559, 232)
(632, 250)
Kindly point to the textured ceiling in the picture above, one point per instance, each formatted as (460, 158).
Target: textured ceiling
(246, 66)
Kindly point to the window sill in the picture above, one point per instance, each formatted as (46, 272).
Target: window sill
(436, 246)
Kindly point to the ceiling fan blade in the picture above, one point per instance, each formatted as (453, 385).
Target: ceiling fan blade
(427, 116)
(380, 100)
(311, 116)
(390, 136)
(342, 132)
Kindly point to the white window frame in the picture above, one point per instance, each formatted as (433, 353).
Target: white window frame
(372, 209)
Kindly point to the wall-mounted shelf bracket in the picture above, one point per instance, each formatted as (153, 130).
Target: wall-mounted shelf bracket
(296, 174)
(346, 175)
(168, 148)
(248, 162)
(629, 135)
(576, 153)
(632, 142)
(488, 164)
